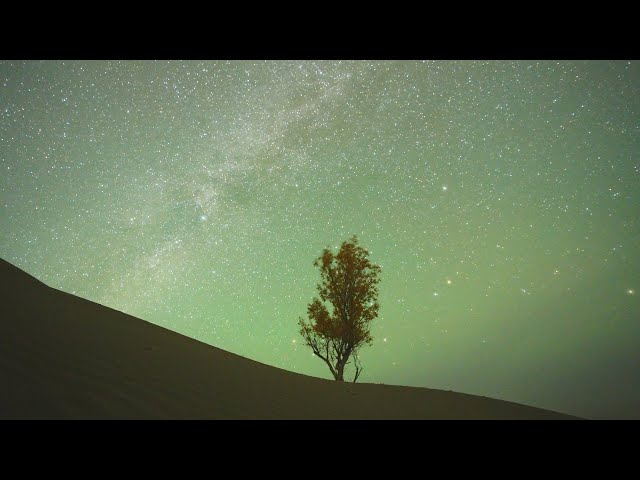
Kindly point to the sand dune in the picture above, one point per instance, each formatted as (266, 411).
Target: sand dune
(63, 357)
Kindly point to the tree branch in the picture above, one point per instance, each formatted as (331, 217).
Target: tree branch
(359, 368)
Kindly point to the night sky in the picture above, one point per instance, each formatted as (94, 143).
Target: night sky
(502, 200)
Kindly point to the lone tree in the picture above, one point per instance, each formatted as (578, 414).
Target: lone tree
(349, 283)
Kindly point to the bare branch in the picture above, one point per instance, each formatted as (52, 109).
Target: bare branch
(359, 368)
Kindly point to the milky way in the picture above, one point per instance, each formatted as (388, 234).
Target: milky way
(501, 198)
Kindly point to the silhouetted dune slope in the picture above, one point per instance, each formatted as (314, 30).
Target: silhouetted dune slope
(65, 357)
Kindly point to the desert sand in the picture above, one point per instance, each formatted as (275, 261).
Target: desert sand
(64, 357)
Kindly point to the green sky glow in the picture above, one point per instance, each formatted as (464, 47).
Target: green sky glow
(501, 198)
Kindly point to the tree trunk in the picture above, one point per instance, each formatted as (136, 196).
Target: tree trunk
(339, 373)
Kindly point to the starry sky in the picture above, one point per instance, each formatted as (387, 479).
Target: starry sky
(501, 199)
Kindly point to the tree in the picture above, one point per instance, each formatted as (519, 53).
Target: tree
(349, 284)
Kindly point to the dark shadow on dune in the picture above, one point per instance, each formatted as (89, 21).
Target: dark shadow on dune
(65, 357)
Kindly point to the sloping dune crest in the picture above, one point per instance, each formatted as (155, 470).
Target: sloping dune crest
(64, 357)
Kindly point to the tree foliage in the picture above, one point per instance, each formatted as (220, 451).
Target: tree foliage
(349, 285)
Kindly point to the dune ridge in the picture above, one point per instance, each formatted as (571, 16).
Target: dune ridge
(64, 357)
